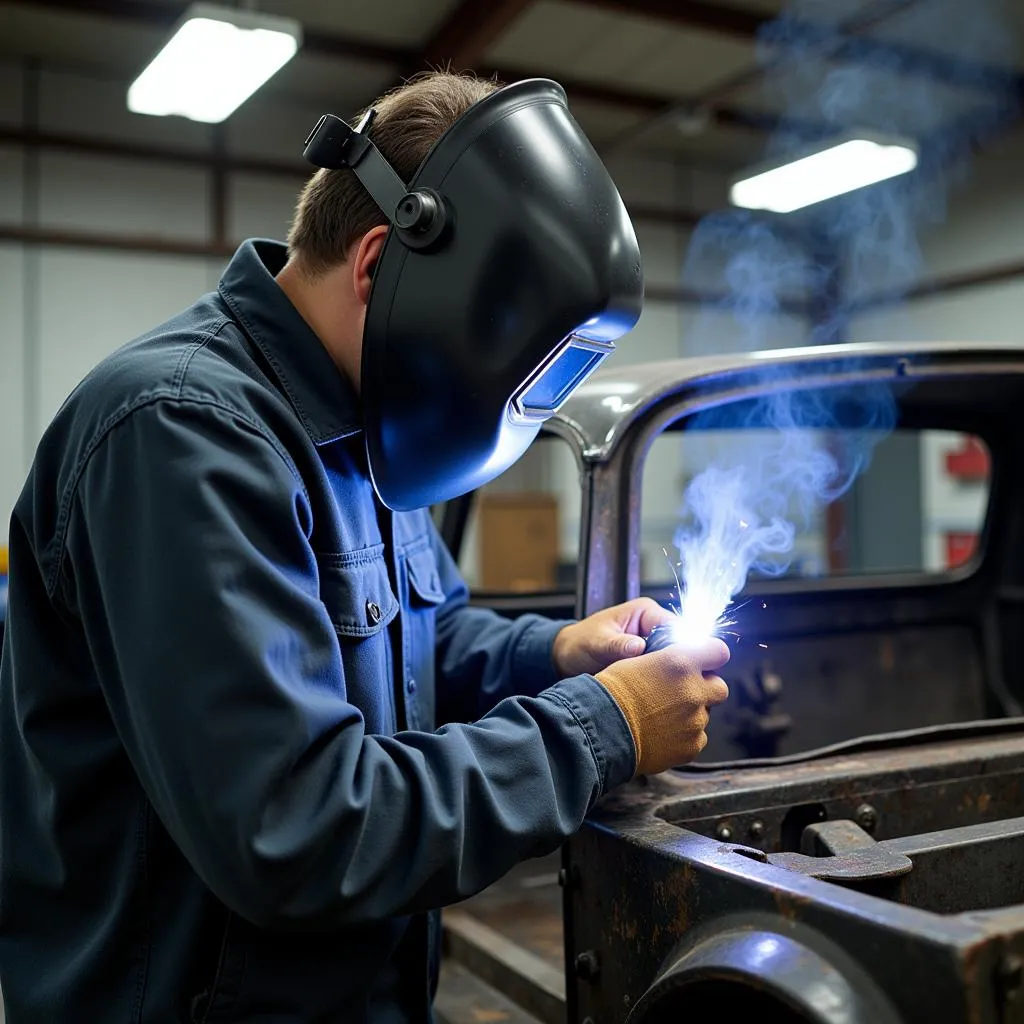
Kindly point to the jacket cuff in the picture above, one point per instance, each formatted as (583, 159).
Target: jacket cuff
(533, 659)
(601, 719)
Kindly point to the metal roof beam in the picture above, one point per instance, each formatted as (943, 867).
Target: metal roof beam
(463, 38)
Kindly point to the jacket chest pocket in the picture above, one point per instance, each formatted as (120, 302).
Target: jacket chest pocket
(425, 595)
(361, 604)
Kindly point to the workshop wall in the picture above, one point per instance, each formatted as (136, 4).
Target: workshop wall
(980, 235)
(982, 230)
(65, 307)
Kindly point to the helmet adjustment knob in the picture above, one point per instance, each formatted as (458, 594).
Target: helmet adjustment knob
(416, 212)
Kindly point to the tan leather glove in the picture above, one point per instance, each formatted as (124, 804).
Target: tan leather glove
(665, 698)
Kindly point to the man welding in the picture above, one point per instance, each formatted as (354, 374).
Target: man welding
(252, 736)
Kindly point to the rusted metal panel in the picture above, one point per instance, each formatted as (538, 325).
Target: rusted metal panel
(642, 899)
(902, 917)
(880, 879)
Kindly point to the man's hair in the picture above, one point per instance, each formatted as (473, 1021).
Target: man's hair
(334, 210)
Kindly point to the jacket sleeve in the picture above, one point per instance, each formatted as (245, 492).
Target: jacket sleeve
(188, 561)
(483, 657)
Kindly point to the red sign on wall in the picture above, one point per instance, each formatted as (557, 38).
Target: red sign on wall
(968, 462)
(960, 548)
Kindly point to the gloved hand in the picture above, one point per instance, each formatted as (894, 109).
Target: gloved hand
(607, 636)
(665, 698)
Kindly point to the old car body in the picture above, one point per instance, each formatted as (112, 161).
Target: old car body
(867, 864)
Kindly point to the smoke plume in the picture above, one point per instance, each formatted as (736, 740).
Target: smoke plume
(928, 71)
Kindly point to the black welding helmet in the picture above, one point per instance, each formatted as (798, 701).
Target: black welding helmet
(509, 270)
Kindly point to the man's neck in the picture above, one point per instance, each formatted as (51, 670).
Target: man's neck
(321, 302)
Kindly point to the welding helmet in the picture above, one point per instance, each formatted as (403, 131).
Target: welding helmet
(509, 269)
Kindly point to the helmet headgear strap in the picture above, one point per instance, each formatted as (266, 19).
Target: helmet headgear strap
(419, 216)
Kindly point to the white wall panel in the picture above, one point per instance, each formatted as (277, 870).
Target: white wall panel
(261, 206)
(982, 226)
(11, 95)
(668, 331)
(74, 104)
(974, 219)
(656, 336)
(711, 331)
(985, 313)
(12, 400)
(12, 167)
(984, 221)
(118, 196)
(661, 250)
(213, 271)
(94, 302)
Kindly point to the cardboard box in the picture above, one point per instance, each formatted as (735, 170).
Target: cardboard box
(518, 538)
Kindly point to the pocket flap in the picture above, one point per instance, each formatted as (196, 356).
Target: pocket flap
(424, 579)
(357, 593)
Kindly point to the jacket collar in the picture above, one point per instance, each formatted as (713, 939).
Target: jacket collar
(322, 396)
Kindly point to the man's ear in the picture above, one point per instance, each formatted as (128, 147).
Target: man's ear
(364, 261)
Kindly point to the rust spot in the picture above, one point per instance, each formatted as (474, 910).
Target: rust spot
(971, 965)
(789, 905)
(984, 799)
(675, 888)
(969, 961)
(623, 924)
(887, 656)
(488, 1016)
(672, 894)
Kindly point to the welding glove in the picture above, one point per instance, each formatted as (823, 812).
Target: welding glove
(665, 697)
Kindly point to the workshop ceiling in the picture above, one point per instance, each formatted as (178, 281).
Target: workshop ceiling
(677, 78)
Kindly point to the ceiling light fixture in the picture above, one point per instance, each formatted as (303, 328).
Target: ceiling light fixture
(215, 60)
(824, 173)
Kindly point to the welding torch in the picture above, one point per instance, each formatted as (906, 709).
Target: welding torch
(659, 638)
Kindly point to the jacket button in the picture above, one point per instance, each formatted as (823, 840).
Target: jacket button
(410, 685)
(373, 612)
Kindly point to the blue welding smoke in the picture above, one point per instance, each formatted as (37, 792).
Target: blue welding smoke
(927, 70)
(799, 450)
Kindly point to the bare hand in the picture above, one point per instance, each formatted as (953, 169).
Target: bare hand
(607, 636)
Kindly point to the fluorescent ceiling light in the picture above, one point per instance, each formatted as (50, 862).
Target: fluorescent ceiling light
(840, 167)
(216, 59)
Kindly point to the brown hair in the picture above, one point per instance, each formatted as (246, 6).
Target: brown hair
(334, 209)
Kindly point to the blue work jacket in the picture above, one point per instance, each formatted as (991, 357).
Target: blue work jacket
(251, 734)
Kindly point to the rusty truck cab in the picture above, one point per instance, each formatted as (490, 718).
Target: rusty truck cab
(850, 847)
